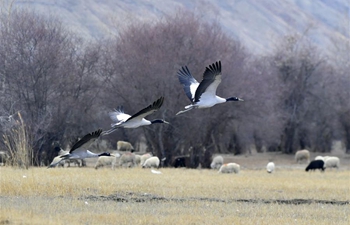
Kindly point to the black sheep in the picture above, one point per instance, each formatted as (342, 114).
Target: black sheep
(180, 161)
(314, 165)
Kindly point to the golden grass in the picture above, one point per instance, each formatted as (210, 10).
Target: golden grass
(65, 196)
(17, 142)
(250, 184)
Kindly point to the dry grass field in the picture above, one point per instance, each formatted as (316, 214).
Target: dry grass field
(177, 196)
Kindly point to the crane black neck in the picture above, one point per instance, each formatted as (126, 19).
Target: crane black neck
(233, 99)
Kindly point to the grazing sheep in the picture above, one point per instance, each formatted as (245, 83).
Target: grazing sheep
(270, 167)
(124, 146)
(315, 165)
(107, 161)
(83, 163)
(151, 162)
(180, 161)
(3, 158)
(230, 168)
(326, 157)
(302, 155)
(137, 159)
(75, 161)
(128, 159)
(217, 162)
(144, 157)
(319, 158)
(332, 162)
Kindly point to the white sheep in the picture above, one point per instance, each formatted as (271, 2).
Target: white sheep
(326, 157)
(332, 162)
(302, 155)
(144, 157)
(107, 161)
(127, 160)
(270, 167)
(230, 168)
(319, 158)
(124, 146)
(151, 162)
(217, 162)
(137, 159)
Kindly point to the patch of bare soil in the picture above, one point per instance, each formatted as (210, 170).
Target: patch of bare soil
(134, 197)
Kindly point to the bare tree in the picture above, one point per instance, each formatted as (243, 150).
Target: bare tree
(302, 71)
(341, 83)
(261, 123)
(48, 75)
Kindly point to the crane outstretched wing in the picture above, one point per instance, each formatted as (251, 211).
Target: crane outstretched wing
(189, 83)
(86, 141)
(148, 110)
(210, 82)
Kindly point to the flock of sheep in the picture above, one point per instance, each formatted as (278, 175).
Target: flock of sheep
(218, 163)
(320, 162)
(129, 159)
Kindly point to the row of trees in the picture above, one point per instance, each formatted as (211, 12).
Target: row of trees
(65, 86)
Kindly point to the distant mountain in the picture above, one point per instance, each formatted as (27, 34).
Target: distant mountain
(256, 23)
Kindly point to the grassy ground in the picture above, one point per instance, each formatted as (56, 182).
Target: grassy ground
(177, 196)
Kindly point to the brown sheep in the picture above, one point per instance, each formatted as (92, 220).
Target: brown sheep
(302, 155)
(144, 157)
(128, 159)
(124, 146)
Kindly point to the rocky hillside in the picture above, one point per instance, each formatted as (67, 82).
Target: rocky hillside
(258, 24)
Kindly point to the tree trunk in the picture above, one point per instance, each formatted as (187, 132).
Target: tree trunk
(289, 138)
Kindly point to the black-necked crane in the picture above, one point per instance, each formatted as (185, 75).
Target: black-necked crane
(79, 149)
(122, 119)
(203, 94)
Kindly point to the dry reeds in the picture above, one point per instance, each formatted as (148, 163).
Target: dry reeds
(17, 141)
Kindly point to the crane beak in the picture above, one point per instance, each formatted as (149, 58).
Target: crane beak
(241, 100)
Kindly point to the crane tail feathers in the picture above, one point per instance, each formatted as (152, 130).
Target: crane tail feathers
(108, 131)
(183, 111)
